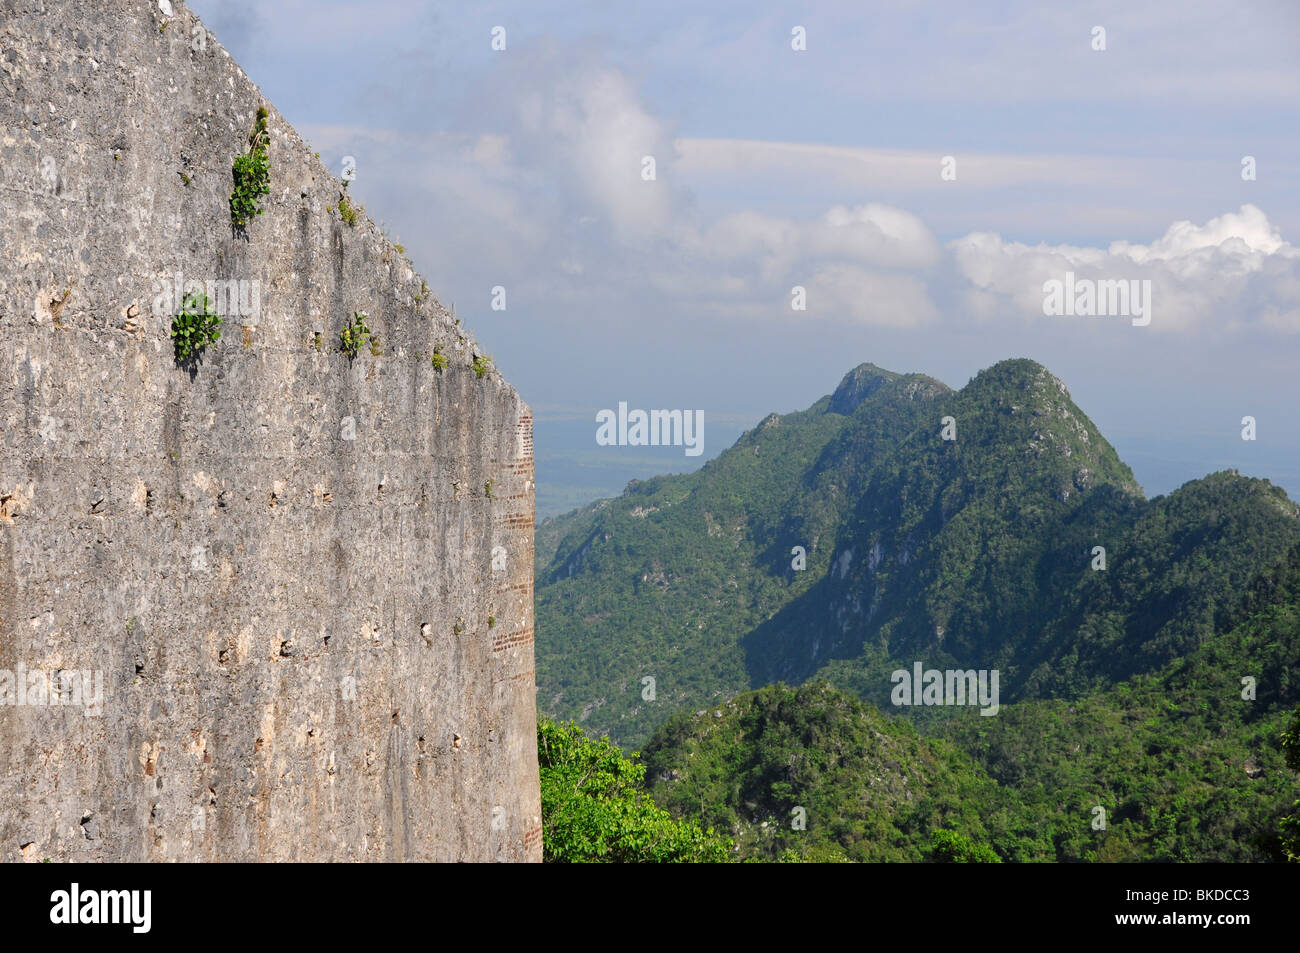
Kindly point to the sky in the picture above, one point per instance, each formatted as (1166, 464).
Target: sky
(921, 170)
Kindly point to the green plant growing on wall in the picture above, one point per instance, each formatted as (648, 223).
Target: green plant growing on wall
(252, 172)
(487, 489)
(439, 360)
(459, 627)
(347, 211)
(481, 364)
(194, 327)
(354, 335)
(375, 349)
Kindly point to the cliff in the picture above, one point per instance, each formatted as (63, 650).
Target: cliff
(301, 581)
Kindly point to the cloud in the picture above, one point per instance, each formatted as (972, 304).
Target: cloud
(717, 160)
(871, 297)
(1234, 271)
(861, 264)
(554, 205)
(588, 132)
(1245, 233)
(549, 199)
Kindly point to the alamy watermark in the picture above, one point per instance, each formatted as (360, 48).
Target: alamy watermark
(227, 297)
(37, 688)
(132, 908)
(655, 428)
(1087, 298)
(924, 686)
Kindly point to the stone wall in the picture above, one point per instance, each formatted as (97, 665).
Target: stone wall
(303, 580)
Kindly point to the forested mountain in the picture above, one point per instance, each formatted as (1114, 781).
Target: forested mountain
(812, 773)
(963, 529)
(1180, 765)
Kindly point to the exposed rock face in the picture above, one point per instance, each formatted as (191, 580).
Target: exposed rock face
(303, 580)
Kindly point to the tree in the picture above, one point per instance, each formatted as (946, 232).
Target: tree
(595, 808)
(1290, 832)
(950, 847)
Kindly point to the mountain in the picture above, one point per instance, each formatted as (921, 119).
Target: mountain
(1180, 765)
(813, 774)
(955, 528)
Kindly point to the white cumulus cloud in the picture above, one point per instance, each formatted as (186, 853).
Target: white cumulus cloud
(1231, 272)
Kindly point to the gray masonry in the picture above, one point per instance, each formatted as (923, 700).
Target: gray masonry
(275, 605)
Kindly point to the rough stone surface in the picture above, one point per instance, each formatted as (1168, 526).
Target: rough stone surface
(305, 580)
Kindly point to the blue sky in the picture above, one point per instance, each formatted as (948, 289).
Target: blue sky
(521, 168)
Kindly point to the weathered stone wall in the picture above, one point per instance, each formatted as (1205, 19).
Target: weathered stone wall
(305, 580)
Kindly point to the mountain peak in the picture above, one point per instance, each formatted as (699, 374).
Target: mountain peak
(857, 385)
(1020, 373)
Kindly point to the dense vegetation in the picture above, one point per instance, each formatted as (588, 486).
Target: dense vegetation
(977, 552)
(1146, 694)
(1183, 766)
(811, 773)
(1289, 829)
(1175, 766)
(665, 581)
(594, 806)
